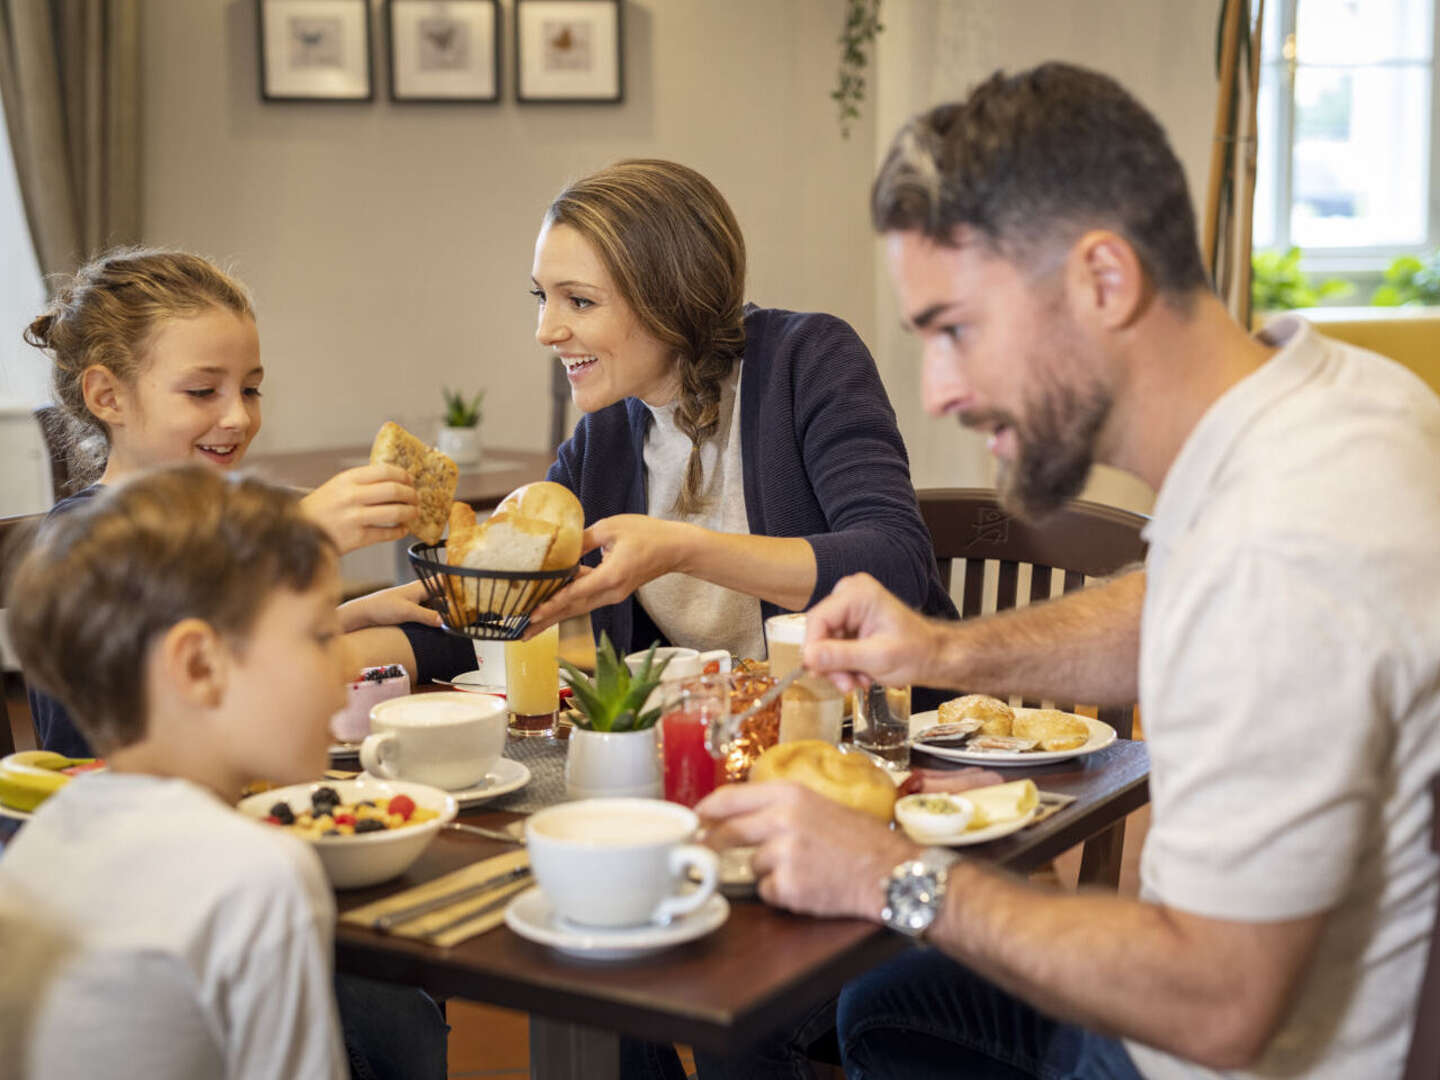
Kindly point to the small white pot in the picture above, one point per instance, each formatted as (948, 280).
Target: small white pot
(603, 764)
(461, 443)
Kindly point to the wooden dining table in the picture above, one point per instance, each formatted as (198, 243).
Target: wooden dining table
(762, 970)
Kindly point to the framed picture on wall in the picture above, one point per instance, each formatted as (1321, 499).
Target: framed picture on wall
(444, 50)
(314, 50)
(569, 51)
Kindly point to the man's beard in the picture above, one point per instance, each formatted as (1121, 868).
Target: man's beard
(1055, 447)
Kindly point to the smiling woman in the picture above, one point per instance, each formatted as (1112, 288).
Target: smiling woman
(733, 461)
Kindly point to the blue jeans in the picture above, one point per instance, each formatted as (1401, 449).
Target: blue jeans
(923, 1015)
(391, 1032)
(783, 1056)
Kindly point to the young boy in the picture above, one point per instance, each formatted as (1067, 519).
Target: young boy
(187, 621)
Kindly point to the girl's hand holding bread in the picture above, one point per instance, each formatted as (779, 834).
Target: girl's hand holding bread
(369, 504)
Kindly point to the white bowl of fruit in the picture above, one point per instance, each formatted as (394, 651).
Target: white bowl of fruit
(366, 831)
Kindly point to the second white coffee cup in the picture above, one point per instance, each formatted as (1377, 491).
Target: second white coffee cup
(448, 740)
(619, 862)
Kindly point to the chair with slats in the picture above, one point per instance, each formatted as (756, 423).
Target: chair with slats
(1423, 1062)
(969, 528)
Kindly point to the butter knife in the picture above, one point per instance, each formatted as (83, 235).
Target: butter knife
(424, 907)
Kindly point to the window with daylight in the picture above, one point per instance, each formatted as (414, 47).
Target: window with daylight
(1347, 167)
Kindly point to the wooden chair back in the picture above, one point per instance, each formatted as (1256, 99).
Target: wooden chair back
(1423, 1062)
(969, 529)
(15, 534)
(52, 427)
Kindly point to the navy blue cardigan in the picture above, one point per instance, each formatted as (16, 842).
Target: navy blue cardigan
(823, 459)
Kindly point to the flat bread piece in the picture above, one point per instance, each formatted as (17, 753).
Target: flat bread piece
(433, 474)
(1052, 729)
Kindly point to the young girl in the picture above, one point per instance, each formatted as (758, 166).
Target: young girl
(157, 361)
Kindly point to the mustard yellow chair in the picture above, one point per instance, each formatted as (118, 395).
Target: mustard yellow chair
(1409, 335)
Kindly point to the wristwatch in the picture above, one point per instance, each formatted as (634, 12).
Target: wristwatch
(915, 891)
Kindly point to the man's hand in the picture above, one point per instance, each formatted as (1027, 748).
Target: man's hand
(815, 856)
(388, 607)
(636, 549)
(860, 634)
(365, 505)
(952, 780)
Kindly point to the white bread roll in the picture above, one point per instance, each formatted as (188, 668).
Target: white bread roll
(556, 504)
(852, 780)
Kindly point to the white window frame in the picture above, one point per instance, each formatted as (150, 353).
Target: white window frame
(1354, 262)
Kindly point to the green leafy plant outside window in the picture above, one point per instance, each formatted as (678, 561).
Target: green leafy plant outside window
(1278, 284)
(1409, 281)
(461, 411)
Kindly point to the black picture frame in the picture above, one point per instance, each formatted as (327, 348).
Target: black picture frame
(459, 75)
(314, 51)
(594, 76)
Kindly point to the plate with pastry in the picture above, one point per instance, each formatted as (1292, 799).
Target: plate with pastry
(981, 730)
(973, 817)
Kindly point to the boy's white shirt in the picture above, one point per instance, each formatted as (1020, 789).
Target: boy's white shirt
(204, 939)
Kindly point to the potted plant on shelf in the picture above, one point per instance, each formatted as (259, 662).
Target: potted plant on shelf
(612, 751)
(460, 437)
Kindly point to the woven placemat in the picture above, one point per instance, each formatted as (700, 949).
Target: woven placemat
(545, 758)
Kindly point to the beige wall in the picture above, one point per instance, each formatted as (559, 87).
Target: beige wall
(389, 246)
(935, 50)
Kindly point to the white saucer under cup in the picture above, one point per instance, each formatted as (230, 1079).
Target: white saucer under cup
(533, 917)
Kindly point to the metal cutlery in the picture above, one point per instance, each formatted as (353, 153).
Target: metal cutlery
(425, 907)
(489, 834)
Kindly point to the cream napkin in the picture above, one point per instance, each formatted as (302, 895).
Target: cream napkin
(449, 925)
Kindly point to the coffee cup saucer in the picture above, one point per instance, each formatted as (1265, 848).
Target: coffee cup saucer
(532, 916)
(503, 777)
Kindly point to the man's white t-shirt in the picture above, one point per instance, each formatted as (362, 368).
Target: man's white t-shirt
(1290, 684)
(203, 941)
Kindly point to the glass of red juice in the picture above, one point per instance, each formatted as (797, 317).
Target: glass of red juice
(689, 709)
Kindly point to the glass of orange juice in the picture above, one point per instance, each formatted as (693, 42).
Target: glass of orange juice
(532, 684)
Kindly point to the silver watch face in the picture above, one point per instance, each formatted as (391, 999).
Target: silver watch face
(913, 897)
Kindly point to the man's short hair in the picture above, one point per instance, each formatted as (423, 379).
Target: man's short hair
(1041, 156)
(105, 580)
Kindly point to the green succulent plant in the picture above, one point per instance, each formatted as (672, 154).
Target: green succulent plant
(1278, 284)
(612, 700)
(1409, 280)
(461, 411)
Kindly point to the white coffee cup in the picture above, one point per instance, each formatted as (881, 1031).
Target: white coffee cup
(448, 740)
(684, 664)
(619, 862)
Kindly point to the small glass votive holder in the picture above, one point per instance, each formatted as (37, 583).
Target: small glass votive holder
(882, 723)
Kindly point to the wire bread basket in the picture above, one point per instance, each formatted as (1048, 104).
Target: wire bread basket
(487, 605)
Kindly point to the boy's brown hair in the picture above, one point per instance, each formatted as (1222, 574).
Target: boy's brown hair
(105, 580)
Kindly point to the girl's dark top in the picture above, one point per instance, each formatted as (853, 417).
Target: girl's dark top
(54, 730)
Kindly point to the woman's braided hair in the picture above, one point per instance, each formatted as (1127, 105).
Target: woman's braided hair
(674, 250)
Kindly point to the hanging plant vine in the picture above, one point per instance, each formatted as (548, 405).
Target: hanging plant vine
(862, 24)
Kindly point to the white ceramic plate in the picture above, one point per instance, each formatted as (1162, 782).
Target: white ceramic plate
(504, 777)
(980, 836)
(1101, 736)
(531, 916)
(475, 682)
